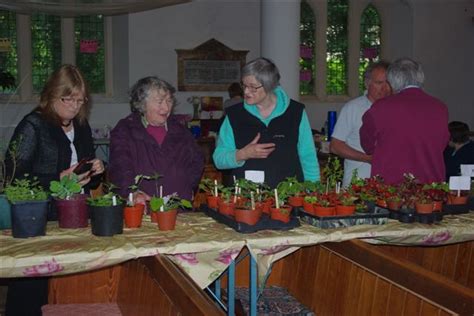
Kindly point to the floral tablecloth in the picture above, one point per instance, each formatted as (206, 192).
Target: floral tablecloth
(200, 246)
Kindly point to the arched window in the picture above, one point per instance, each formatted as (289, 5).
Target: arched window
(8, 53)
(370, 34)
(307, 48)
(46, 47)
(336, 55)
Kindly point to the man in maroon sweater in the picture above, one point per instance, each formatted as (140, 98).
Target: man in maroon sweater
(408, 131)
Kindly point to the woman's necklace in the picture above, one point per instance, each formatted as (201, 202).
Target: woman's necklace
(66, 125)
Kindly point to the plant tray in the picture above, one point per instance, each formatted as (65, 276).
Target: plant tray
(264, 223)
(459, 209)
(379, 217)
(411, 216)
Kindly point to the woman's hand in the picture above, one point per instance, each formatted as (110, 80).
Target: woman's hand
(97, 167)
(255, 150)
(84, 178)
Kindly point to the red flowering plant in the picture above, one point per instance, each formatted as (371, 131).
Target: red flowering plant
(437, 191)
(347, 198)
(408, 190)
(327, 199)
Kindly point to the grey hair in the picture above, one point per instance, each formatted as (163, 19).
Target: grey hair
(405, 72)
(371, 67)
(265, 71)
(140, 92)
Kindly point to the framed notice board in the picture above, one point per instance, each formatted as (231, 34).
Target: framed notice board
(211, 66)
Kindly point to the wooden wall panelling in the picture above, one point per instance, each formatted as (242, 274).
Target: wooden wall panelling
(146, 286)
(99, 286)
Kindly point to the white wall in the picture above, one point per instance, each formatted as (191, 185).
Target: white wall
(438, 33)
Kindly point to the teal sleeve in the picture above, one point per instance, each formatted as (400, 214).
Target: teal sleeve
(307, 151)
(224, 154)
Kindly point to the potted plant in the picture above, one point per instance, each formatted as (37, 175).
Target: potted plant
(6, 179)
(333, 172)
(325, 204)
(211, 188)
(29, 207)
(226, 204)
(106, 213)
(248, 214)
(294, 189)
(424, 203)
(166, 209)
(280, 212)
(308, 203)
(438, 191)
(133, 212)
(346, 205)
(72, 207)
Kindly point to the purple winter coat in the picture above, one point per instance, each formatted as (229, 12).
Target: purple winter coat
(133, 151)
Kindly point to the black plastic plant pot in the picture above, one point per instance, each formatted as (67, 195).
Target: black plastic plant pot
(106, 220)
(29, 218)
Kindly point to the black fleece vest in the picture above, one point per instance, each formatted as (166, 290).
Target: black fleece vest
(283, 131)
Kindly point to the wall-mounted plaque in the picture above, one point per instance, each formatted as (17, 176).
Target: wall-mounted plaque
(211, 66)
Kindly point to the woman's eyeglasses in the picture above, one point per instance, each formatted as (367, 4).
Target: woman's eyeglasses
(71, 101)
(252, 89)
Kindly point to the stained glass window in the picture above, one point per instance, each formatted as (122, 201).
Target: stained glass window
(8, 52)
(370, 34)
(307, 48)
(46, 48)
(336, 58)
(90, 50)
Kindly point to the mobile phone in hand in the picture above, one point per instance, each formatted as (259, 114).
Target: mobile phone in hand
(82, 167)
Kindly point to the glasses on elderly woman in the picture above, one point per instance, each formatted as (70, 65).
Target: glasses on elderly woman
(71, 101)
(252, 89)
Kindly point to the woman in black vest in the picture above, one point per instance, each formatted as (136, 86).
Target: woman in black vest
(268, 133)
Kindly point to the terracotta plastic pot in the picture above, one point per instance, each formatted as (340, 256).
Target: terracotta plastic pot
(133, 215)
(296, 201)
(167, 220)
(73, 213)
(240, 202)
(308, 207)
(457, 200)
(281, 214)
(394, 205)
(267, 205)
(324, 210)
(381, 203)
(344, 210)
(437, 206)
(424, 208)
(249, 217)
(212, 201)
(226, 208)
(153, 217)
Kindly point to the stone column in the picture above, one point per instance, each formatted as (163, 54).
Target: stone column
(280, 40)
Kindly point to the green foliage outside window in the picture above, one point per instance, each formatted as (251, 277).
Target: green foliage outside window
(370, 34)
(46, 48)
(92, 65)
(336, 81)
(307, 28)
(8, 59)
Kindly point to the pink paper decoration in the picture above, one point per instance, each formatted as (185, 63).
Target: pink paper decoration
(370, 52)
(306, 52)
(305, 75)
(88, 46)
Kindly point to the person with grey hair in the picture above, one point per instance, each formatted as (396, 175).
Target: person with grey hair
(406, 132)
(345, 141)
(151, 140)
(267, 137)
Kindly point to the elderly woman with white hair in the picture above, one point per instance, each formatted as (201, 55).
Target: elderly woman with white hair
(406, 132)
(150, 140)
(268, 134)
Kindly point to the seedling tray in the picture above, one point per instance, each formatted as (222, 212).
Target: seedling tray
(459, 209)
(264, 223)
(380, 217)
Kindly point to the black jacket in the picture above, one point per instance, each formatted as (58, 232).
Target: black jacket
(43, 149)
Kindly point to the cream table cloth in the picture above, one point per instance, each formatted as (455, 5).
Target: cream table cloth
(201, 246)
